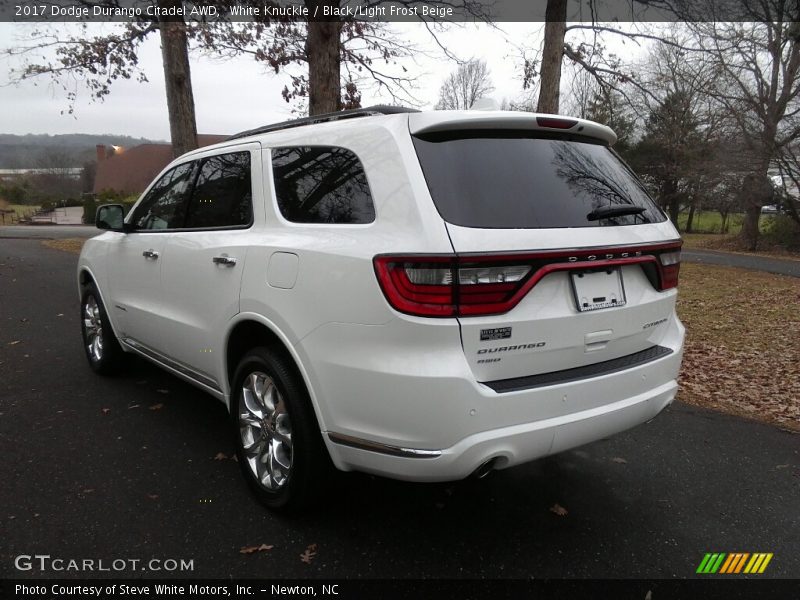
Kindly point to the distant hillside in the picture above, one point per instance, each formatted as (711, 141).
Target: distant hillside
(68, 150)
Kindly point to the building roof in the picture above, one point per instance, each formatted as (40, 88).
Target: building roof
(130, 170)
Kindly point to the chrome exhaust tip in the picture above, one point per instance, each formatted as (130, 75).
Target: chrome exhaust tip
(484, 469)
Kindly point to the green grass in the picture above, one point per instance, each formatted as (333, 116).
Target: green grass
(711, 222)
(20, 210)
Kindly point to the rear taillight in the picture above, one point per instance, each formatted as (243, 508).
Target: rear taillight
(670, 266)
(450, 286)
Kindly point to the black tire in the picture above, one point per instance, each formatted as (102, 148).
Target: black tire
(96, 325)
(264, 465)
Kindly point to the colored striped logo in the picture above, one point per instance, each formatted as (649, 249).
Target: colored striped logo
(734, 563)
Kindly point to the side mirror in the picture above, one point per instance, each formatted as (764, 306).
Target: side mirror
(111, 217)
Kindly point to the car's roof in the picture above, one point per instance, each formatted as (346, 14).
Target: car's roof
(430, 121)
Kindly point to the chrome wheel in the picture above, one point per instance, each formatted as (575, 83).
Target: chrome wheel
(92, 329)
(265, 431)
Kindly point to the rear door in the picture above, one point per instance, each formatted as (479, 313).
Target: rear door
(559, 249)
(204, 261)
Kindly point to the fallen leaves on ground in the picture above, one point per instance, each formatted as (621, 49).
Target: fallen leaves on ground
(152, 496)
(559, 510)
(163, 391)
(105, 410)
(619, 460)
(221, 456)
(14, 343)
(309, 554)
(158, 406)
(73, 245)
(742, 353)
(254, 549)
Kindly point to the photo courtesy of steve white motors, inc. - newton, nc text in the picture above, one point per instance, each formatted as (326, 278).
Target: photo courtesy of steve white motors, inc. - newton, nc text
(400, 299)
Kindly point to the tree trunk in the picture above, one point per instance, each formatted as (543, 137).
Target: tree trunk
(723, 227)
(322, 52)
(752, 215)
(756, 192)
(690, 219)
(671, 200)
(178, 79)
(552, 54)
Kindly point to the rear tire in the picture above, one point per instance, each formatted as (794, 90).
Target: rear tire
(102, 349)
(278, 441)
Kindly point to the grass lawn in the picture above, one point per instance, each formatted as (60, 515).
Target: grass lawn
(20, 210)
(708, 221)
(742, 352)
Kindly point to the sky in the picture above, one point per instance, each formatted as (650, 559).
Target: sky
(238, 94)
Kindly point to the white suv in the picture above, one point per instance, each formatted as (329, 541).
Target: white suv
(420, 295)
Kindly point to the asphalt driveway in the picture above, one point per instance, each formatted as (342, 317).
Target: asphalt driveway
(125, 467)
(781, 266)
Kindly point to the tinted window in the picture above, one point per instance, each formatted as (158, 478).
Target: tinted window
(512, 180)
(222, 195)
(162, 208)
(321, 185)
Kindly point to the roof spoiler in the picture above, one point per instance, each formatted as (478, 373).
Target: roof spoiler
(467, 120)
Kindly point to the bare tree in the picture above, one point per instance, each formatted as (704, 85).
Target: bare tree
(587, 53)
(342, 55)
(757, 85)
(97, 61)
(554, 31)
(464, 86)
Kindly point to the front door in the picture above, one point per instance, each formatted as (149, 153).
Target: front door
(136, 278)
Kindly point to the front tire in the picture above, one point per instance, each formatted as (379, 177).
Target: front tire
(102, 349)
(278, 443)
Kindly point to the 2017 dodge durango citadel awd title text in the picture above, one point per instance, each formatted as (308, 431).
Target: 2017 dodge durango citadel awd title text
(420, 295)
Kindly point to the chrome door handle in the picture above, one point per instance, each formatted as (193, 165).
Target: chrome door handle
(226, 260)
(150, 254)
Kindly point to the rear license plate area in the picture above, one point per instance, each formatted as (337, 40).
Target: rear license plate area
(596, 289)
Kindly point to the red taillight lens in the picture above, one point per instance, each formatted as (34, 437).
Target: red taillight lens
(442, 287)
(670, 267)
(451, 286)
(418, 286)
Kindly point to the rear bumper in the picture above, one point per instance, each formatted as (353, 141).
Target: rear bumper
(411, 409)
(513, 445)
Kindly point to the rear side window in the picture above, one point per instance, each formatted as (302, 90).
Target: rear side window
(515, 180)
(222, 195)
(321, 184)
(162, 208)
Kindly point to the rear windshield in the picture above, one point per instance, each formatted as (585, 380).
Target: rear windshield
(513, 180)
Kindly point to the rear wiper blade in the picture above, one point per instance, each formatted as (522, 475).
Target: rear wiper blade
(614, 211)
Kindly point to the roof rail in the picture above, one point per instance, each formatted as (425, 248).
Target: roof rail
(369, 111)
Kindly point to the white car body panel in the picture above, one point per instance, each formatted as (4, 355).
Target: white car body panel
(394, 394)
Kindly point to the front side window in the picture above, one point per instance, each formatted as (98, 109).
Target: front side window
(222, 195)
(162, 208)
(321, 184)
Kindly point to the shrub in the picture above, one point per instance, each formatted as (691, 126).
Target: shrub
(784, 231)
